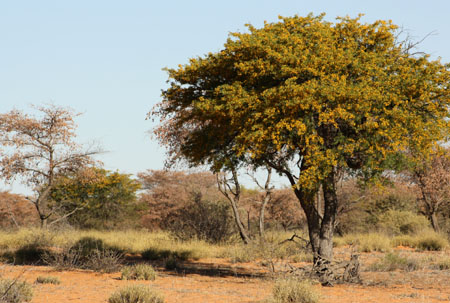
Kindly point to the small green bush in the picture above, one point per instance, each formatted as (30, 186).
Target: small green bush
(294, 291)
(48, 280)
(136, 294)
(138, 272)
(14, 291)
(392, 262)
(171, 263)
(154, 254)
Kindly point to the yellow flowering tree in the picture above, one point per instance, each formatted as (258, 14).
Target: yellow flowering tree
(309, 98)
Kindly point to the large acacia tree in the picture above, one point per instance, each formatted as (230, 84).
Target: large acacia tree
(310, 99)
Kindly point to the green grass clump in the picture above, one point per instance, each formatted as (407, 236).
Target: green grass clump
(136, 294)
(294, 291)
(431, 241)
(374, 242)
(392, 262)
(14, 291)
(138, 272)
(427, 240)
(48, 280)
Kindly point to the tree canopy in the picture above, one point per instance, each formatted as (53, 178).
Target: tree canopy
(309, 98)
(336, 94)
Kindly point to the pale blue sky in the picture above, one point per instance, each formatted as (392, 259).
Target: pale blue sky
(104, 57)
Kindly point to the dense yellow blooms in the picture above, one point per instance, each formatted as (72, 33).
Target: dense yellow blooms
(342, 94)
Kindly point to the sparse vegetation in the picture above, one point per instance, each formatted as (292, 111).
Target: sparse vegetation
(136, 294)
(392, 261)
(294, 291)
(48, 280)
(138, 272)
(15, 291)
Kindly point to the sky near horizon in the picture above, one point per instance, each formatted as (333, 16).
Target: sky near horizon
(104, 58)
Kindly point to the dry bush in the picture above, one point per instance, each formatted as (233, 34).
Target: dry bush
(138, 272)
(136, 294)
(87, 253)
(426, 240)
(294, 291)
(48, 280)
(392, 262)
(203, 220)
(15, 291)
(165, 192)
(16, 211)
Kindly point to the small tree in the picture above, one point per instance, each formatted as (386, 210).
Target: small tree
(98, 198)
(37, 150)
(432, 179)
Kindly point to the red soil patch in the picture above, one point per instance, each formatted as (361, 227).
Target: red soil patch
(216, 280)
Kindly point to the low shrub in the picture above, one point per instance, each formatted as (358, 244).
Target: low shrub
(48, 280)
(443, 264)
(392, 262)
(373, 242)
(14, 291)
(431, 241)
(138, 272)
(30, 254)
(103, 260)
(171, 263)
(294, 291)
(136, 294)
(106, 260)
(154, 254)
(427, 240)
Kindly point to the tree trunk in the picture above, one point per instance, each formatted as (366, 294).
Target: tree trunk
(434, 221)
(237, 218)
(329, 217)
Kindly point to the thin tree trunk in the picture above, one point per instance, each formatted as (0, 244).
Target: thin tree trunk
(267, 196)
(434, 222)
(233, 194)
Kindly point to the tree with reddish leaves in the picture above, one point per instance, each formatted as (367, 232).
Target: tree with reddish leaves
(38, 149)
(432, 179)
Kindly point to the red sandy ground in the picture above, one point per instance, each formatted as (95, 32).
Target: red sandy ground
(424, 286)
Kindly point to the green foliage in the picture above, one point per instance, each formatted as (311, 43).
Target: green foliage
(337, 94)
(392, 262)
(138, 272)
(136, 294)
(103, 199)
(48, 280)
(294, 291)
(15, 291)
(396, 222)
